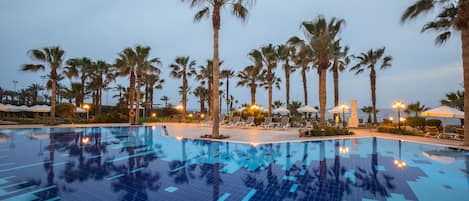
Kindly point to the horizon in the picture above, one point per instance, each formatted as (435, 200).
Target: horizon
(421, 71)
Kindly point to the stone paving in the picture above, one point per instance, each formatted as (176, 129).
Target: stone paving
(260, 135)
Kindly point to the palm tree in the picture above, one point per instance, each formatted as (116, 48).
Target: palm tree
(267, 57)
(202, 93)
(2, 93)
(415, 108)
(103, 76)
(34, 89)
(286, 53)
(126, 64)
(53, 57)
(302, 58)
(369, 60)
(79, 68)
(368, 110)
(227, 74)
(451, 18)
(455, 100)
(165, 99)
(340, 61)
(205, 76)
(251, 77)
(277, 104)
(183, 68)
(322, 35)
(151, 82)
(145, 65)
(213, 8)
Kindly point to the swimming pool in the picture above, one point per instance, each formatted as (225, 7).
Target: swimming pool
(138, 163)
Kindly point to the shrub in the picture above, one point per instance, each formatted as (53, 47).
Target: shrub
(66, 110)
(328, 131)
(395, 130)
(110, 118)
(433, 122)
(416, 122)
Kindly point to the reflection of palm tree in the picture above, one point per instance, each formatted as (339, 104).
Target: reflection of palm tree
(370, 181)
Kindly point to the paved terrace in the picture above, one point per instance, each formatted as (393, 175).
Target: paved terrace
(261, 135)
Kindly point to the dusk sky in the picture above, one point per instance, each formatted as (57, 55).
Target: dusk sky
(421, 71)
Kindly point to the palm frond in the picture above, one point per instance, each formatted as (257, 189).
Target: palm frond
(201, 14)
(32, 67)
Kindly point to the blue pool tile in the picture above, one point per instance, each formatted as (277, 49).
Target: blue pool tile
(303, 172)
(380, 168)
(249, 195)
(115, 176)
(224, 197)
(171, 189)
(293, 188)
(290, 178)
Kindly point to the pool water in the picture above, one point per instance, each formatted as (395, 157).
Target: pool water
(138, 163)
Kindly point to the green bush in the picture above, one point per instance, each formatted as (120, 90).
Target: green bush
(433, 122)
(418, 122)
(395, 130)
(328, 131)
(110, 118)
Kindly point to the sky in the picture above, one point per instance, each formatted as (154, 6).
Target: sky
(421, 70)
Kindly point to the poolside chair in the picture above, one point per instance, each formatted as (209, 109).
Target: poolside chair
(267, 122)
(235, 122)
(432, 131)
(284, 123)
(459, 134)
(249, 122)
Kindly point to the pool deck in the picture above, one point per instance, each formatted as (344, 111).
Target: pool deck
(260, 135)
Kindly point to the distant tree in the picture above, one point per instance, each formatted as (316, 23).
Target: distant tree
(252, 77)
(277, 104)
(165, 99)
(66, 110)
(183, 68)
(368, 110)
(454, 100)
(415, 108)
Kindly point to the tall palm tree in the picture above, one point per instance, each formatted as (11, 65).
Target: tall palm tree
(321, 35)
(227, 74)
(145, 65)
(267, 57)
(452, 17)
(371, 60)
(53, 57)
(368, 110)
(286, 53)
(103, 76)
(252, 77)
(340, 60)
(151, 82)
(126, 64)
(79, 68)
(213, 8)
(165, 99)
(202, 93)
(183, 68)
(303, 59)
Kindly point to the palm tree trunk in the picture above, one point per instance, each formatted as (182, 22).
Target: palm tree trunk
(228, 95)
(305, 85)
(269, 88)
(82, 97)
(465, 59)
(253, 94)
(287, 83)
(138, 98)
(216, 72)
(322, 96)
(373, 93)
(53, 97)
(131, 94)
(335, 74)
(184, 96)
(209, 100)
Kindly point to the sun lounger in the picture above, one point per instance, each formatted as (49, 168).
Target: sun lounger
(249, 122)
(459, 134)
(284, 123)
(432, 131)
(235, 122)
(267, 122)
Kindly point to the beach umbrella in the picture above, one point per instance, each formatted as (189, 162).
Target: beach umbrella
(281, 110)
(444, 112)
(307, 109)
(339, 110)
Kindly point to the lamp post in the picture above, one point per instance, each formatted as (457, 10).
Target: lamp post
(87, 108)
(398, 105)
(343, 107)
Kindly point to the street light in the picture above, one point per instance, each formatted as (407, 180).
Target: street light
(398, 105)
(343, 107)
(179, 107)
(87, 108)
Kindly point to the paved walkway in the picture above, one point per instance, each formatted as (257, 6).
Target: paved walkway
(260, 135)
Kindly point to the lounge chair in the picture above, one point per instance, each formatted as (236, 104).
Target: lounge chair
(249, 122)
(284, 123)
(459, 134)
(235, 122)
(432, 131)
(267, 122)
